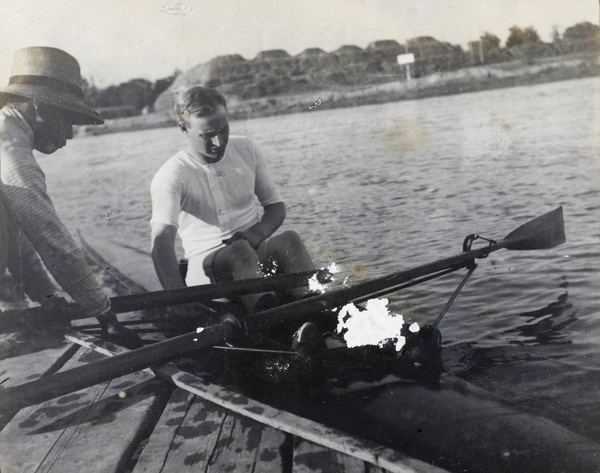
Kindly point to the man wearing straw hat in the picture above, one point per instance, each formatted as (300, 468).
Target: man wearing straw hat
(42, 102)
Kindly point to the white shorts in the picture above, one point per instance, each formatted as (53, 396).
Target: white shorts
(200, 268)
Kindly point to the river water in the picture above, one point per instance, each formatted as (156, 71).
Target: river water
(386, 187)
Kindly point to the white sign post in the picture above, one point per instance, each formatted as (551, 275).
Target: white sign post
(406, 60)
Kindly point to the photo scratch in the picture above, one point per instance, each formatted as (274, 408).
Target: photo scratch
(315, 105)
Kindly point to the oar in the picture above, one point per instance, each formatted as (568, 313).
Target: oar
(546, 231)
(84, 376)
(192, 294)
(543, 232)
(187, 295)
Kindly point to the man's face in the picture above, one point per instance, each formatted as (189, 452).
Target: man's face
(208, 136)
(52, 127)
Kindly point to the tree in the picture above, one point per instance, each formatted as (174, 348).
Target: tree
(489, 41)
(521, 37)
(582, 37)
(581, 32)
(515, 38)
(90, 93)
(555, 35)
(135, 93)
(108, 97)
(531, 35)
(160, 86)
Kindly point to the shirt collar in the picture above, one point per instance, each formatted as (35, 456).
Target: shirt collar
(13, 113)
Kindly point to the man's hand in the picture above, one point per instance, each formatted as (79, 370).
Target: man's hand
(252, 235)
(273, 217)
(113, 331)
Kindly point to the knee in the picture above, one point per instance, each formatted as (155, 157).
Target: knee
(286, 242)
(237, 254)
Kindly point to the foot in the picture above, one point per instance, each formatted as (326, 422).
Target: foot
(308, 340)
(308, 367)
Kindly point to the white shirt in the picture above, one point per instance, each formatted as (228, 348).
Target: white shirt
(210, 202)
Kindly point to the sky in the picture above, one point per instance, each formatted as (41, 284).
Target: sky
(119, 40)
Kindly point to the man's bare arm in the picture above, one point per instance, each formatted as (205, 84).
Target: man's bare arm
(164, 257)
(272, 219)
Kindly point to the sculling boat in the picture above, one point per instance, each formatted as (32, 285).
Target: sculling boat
(398, 412)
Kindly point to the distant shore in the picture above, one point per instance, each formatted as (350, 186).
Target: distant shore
(466, 80)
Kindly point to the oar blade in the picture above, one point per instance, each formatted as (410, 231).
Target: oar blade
(546, 231)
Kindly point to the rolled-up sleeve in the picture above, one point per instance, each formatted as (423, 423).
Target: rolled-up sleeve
(265, 188)
(165, 191)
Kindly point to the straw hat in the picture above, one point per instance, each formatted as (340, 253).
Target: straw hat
(51, 76)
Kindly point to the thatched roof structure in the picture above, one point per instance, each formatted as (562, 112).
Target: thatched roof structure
(348, 49)
(272, 55)
(385, 44)
(229, 59)
(311, 52)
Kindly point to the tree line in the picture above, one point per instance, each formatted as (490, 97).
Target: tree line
(134, 96)
(526, 43)
(128, 98)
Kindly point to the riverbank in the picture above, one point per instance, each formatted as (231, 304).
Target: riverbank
(474, 79)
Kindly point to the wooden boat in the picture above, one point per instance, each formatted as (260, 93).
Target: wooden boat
(410, 426)
(139, 423)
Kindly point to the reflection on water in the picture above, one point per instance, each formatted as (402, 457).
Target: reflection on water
(545, 326)
(386, 187)
(540, 327)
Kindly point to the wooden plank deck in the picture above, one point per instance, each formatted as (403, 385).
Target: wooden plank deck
(205, 437)
(93, 430)
(16, 370)
(21, 361)
(138, 423)
(346, 452)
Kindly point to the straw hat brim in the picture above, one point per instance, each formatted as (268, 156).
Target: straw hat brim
(82, 114)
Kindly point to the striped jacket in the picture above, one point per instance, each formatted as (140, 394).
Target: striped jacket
(35, 228)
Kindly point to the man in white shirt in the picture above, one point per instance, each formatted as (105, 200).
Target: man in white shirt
(210, 193)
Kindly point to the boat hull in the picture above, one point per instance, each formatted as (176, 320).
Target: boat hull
(459, 427)
(453, 424)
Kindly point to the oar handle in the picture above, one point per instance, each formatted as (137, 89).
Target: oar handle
(11, 319)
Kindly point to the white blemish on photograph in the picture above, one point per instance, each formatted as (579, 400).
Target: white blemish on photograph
(177, 9)
(373, 325)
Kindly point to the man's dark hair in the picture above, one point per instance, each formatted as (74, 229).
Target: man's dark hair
(196, 100)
